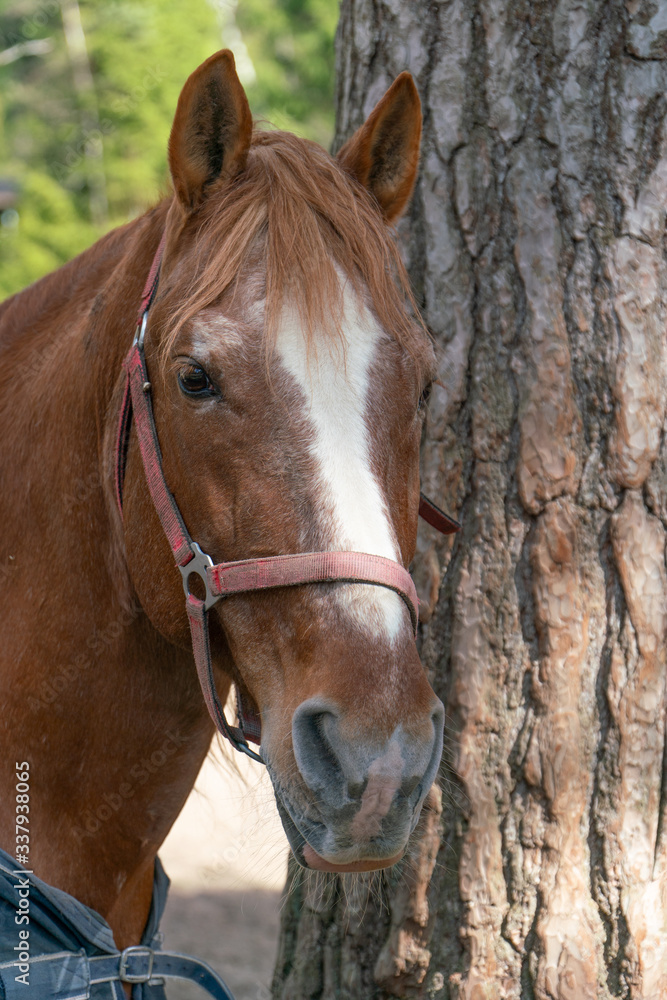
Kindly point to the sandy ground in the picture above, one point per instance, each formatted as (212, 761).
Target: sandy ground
(227, 858)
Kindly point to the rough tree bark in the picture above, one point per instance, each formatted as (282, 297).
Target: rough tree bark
(536, 245)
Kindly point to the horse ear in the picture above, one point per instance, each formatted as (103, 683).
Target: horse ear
(384, 153)
(212, 128)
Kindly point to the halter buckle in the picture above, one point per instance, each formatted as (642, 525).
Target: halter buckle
(198, 565)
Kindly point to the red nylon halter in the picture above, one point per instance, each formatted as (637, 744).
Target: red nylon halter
(246, 575)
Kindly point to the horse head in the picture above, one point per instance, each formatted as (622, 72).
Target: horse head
(288, 381)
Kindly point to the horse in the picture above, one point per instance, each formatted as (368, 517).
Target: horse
(272, 401)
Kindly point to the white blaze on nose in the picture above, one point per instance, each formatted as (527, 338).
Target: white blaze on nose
(354, 515)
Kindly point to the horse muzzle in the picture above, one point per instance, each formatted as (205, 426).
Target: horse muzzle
(357, 801)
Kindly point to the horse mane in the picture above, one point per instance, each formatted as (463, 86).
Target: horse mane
(296, 213)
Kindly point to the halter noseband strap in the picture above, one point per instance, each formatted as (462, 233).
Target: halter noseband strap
(227, 578)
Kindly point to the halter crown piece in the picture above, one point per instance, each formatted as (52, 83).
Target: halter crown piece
(227, 578)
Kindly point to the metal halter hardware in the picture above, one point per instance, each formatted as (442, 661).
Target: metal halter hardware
(198, 565)
(228, 578)
(140, 335)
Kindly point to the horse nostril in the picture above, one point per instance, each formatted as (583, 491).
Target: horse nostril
(359, 775)
(438, 722)
(314, 726)
(409, 784)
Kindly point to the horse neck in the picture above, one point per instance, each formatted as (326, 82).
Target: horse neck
(66, 337)
(108, 714)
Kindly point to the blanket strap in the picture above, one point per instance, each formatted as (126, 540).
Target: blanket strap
(70, 975)
(138, 964)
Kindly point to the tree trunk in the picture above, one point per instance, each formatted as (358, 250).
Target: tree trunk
(536, 245)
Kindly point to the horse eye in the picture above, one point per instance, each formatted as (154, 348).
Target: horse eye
(194, 381)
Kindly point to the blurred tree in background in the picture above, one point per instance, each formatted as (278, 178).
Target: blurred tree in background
(88, 91)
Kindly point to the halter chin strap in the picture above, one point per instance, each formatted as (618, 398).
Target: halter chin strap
(225, 579)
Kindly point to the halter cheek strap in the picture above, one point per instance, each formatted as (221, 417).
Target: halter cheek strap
(228, 578)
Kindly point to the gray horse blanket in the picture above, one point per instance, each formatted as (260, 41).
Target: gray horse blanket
(52, 947)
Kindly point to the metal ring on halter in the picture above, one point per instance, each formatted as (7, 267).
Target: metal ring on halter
(141, 331)
(247, 750)
(198, 565)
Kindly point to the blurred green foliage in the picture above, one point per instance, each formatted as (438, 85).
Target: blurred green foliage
(85, 112)
(291, 45)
